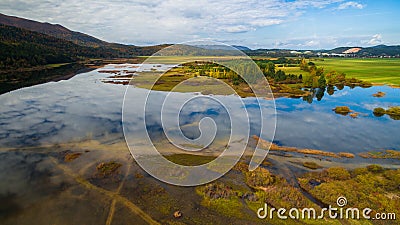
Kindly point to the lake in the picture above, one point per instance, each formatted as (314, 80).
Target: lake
(84, 108)
(43, 124)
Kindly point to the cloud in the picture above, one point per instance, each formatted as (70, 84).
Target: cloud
(375, 40)
(145, 22)
(347, 5)
(236, 29)
(332, 42)
(312, 43)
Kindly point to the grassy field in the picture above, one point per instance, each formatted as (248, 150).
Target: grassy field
(378, 71)
(291, 70)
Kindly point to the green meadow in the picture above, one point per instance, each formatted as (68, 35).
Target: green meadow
(377, 71)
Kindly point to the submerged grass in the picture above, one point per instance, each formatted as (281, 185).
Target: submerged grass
(189, 159)
(311, 165)
(69, 157)
(108, 168)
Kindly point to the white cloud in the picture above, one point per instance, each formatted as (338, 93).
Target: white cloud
(162, 21)
(312, 43)
(376, 40)
(347, 5)
(322, 41)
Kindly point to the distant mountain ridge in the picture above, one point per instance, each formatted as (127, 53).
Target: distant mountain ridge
(224, 47)
(373, 51)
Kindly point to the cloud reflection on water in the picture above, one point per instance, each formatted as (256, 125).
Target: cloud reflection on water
(85, 108)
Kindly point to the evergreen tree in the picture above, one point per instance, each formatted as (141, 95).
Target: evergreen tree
(322, 81)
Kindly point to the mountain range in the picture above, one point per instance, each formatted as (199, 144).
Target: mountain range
(26, 43)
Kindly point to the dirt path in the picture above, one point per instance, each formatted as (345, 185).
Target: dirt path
(113, 195)
(114, 201)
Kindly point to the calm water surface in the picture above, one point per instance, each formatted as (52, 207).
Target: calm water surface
(85, 108)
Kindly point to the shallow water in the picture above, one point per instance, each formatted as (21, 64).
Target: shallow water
(84, 108)
(316, 126)
(38, 187)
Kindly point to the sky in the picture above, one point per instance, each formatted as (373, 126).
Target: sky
(290, 24)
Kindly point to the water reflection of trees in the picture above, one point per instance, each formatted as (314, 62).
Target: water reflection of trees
(17, 79)
(319, 93)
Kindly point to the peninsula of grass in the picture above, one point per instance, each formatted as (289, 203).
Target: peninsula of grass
(387, 154)
(274, 147)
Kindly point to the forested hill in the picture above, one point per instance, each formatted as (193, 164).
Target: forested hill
(24, 48)
(54, 30)
(78, 38)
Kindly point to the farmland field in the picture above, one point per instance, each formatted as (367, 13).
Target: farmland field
(377, 71)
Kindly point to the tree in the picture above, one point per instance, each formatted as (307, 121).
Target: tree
(322, 81)
(303, 65)
(334, 78)
(309, 98)
(330, 90)
(270, 69)
(308, 81)
(319, 71)
(320, 94)
(280, 76)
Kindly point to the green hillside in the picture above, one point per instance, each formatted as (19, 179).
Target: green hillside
(23, 48)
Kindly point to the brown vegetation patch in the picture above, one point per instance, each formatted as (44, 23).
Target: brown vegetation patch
(218, 190)
(342, 110)
(387, 154)
(109, 71)
(108, 168)
(120, 81)
(69, 157)
(373, 187)
(393, 112)
(379, 94)
(353, 115)
(311, 165)
(346, 155)
(259, 177)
